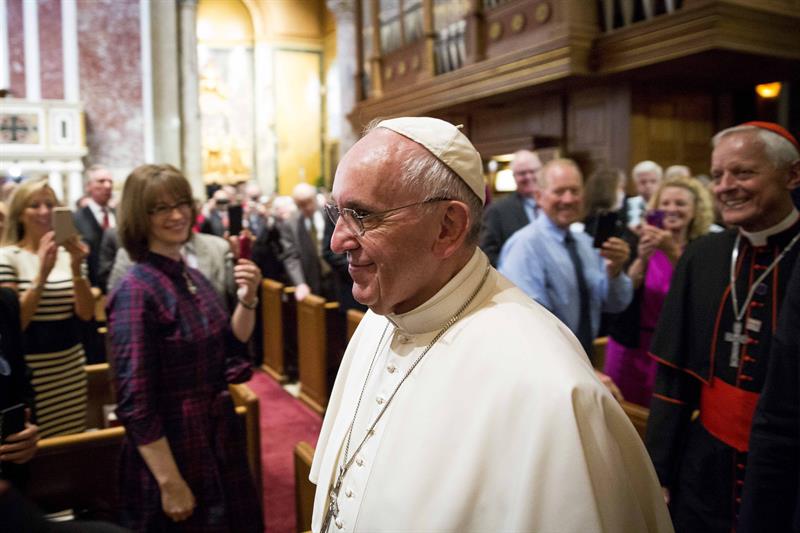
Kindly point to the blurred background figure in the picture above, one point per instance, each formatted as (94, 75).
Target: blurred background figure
(96, 217)
(677, 171)
(506, 216)
(15, 388)
(604, 199)
(301, 238)
(680, 211)
(50, 280)
(215, 216)
(175, 348)
(647, 176)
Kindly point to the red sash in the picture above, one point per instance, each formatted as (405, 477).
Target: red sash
(727, 413)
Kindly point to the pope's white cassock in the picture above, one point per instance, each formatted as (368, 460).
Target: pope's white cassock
(502, 427)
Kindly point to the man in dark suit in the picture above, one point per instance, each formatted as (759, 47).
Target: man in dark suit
(301, 238)
(504, 217)
(92, 220)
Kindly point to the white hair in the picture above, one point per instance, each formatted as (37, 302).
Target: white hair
(304, 191)
(430, 174)
(677, 171)
(779, 150)
(645, 167)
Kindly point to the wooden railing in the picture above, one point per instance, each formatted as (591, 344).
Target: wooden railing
(623, 13)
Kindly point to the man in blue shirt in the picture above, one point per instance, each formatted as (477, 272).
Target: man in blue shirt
(559, 268)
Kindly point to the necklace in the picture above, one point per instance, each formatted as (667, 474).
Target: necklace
(189, 283)
(344, 467)
(738, 337)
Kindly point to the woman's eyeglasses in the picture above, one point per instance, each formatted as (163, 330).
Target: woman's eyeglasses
(161, 210)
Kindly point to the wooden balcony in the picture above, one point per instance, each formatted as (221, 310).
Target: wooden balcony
(522, 47)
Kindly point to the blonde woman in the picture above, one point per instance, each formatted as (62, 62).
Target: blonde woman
(685, 214)
(53, 291)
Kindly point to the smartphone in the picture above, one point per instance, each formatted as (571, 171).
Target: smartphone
(655, 218)
(63, 224)
(12, 420)
(234, 220)
(245, 246)
(606, 226)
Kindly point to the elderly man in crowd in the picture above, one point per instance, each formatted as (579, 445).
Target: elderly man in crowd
(301, 237)
(714, 335)
(96, 217)
(460, 405)
(647, 176)
(559, 268)
(506, 216)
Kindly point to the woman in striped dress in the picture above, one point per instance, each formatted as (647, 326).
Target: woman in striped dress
(53, 291)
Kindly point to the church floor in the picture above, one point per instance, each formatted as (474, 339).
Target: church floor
(285, 421)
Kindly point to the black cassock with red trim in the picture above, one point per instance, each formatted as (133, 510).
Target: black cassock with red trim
(711, 365)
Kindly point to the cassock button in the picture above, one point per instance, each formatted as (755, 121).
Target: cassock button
(380, 400)
(339, 523)
(391, 368)
(348, 493)
(360, 461)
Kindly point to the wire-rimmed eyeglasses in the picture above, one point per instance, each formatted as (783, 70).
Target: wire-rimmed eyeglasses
(355, 220)
(162, 210)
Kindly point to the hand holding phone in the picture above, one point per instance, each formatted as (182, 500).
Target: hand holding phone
(655, 218)
(606, 226)
(63, 225)
(12, 420)
(245, 245)
(234, 220)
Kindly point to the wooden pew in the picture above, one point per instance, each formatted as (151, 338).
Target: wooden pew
(80, 471)
(320, 346)
(279, 329)
(354, 317)
(303, 488)
(247, 405)
(638, 416)
(100, 384)
(599, 352)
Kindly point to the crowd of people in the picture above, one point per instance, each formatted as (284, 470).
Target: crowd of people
(481, 321)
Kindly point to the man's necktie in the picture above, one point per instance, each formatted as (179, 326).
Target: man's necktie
(584, 332)
(106, 221)
(312, 233)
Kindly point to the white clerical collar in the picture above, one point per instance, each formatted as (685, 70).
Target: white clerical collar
(759, 238)
(434, 313)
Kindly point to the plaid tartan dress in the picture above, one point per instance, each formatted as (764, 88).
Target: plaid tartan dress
(173, 354)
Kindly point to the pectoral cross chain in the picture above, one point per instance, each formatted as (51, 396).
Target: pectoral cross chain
(737, 340)
(333, 500)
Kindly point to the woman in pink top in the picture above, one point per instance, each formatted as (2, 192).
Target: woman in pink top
(687, 215)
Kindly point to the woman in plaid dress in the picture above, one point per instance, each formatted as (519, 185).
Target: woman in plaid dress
(174, 351)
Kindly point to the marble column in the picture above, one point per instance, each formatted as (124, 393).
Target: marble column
(56, 182)
(264, 109)
(165, 84)
(344, 10)
(191, 150)
(74, 186)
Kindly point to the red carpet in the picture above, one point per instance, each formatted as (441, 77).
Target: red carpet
(285, 421)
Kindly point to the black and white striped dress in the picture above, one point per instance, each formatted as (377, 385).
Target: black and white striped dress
(53, 349)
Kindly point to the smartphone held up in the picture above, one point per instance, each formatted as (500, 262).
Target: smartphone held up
(63, 226)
